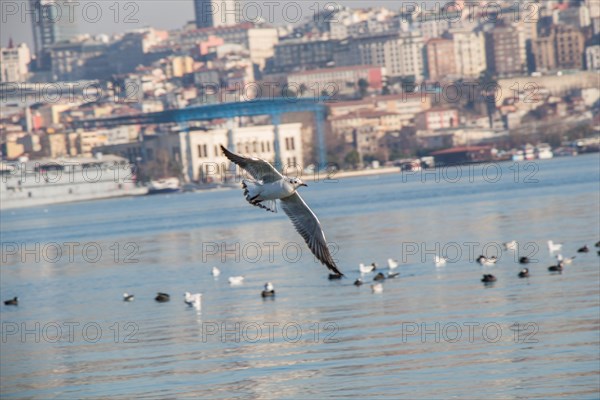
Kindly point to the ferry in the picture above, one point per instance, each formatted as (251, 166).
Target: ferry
(544, 151)
(27, 183)
(167, 185)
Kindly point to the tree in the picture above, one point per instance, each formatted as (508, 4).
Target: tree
(409, 83)
(289, 92)
(352, 158)
(303, 89)
(363, 87)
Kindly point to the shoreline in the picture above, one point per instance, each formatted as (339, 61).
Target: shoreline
(316, 176)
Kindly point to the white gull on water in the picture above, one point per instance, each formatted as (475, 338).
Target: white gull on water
(193, 300)
(365, 269)
(268, 186)
(236, 280)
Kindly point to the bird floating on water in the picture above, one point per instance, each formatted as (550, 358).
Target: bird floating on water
(215, 271)
(439, 261)
(128, 297)
(269, 291)
(554, 247)
(488, 278)
(377, 288)
(12, 302)
(267, 186)
(392, 263)
(512, 245)
(236, 280)
(193, 300)
(358, 282)
(487, 261)
(162, 297)
(556, 268)
(365, 269)
(584, 249)
(565, 261)
(379, 277)
(524, 273)
(524, 260)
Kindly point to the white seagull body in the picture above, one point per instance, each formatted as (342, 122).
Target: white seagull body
(215, 271)
(236, 280)
(365, 269)
(377, 288)
(439, 261)
(392, 263)
(512, 245)
(268, 186)
(487, 261)
(553, 247)
(193, 300)
(563, 260)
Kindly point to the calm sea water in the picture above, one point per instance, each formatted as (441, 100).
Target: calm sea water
(432, 333)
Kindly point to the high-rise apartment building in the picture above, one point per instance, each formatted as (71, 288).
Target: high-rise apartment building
(214, 13)
(440, 59)
(51, 22)
(469, 52)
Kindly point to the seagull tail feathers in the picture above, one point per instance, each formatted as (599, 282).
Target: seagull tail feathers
(252, 191)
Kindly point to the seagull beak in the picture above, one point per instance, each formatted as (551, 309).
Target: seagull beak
(304, 184)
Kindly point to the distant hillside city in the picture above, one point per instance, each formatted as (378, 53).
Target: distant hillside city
(455, 81)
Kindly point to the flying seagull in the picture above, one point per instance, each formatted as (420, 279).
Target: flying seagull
(267, 186)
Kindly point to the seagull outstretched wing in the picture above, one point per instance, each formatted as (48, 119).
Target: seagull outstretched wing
(309, 227)
(260, 170)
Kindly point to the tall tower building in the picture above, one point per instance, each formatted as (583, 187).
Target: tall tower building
(215, 13)
(440, 58)
(469, 52)
(51, 23)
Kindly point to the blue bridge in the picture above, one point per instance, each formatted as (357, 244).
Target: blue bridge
(274, 107)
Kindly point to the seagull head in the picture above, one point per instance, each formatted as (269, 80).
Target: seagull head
(269, 287)
(297, 182)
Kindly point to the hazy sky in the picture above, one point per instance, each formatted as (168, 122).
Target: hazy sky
(112, 16)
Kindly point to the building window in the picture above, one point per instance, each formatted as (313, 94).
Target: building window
(202, 151)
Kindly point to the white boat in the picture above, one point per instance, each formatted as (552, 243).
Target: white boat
(544, 151)
(529, 152)
(28, 183)
(518, 156)
(167, 185)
